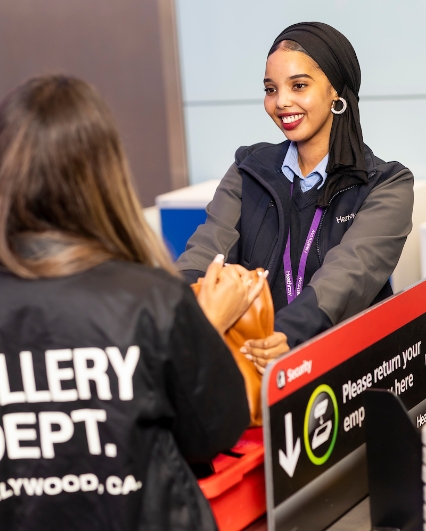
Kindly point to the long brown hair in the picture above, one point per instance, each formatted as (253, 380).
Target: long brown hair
(66, 198)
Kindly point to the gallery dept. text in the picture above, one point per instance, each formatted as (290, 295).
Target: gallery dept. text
(124, 368)
(20, 427)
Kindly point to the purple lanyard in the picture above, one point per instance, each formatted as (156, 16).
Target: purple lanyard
(292, 293)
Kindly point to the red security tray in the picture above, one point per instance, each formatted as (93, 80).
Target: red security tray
(236, 491)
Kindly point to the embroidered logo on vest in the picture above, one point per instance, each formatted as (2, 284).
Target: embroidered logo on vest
(344, 219)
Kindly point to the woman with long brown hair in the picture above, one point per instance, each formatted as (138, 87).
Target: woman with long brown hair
(109, 370)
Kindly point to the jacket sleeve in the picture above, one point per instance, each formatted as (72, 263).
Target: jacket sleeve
(355, 271)
(220, 234)
(302, 319)
(204, 385)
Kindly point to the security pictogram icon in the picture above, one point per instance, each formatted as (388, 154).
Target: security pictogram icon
(321, 424)
(322, 433)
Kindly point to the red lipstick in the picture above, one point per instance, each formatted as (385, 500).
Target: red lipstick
(291, 125)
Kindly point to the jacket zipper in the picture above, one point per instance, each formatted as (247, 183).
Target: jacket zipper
(274, 252)
(270, 205)
(273, 193)
(271, 261)
(323, 216)
(325, 211)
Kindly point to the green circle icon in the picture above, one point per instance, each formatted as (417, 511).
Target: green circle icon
(319, 406)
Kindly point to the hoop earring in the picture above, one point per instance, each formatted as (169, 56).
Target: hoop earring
(342, 110)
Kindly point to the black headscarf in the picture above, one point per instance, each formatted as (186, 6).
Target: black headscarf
(337, 59)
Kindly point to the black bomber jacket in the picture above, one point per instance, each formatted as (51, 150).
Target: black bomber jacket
(110, 380)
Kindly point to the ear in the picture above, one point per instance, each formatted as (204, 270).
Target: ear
(335, 94)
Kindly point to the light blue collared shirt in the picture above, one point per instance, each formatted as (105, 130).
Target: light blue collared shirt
(290, 168)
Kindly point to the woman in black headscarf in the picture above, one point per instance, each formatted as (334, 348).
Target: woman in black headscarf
(326, 216)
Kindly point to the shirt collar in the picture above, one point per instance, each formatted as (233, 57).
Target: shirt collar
(290, 166)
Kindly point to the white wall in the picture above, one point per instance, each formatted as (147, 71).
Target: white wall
(223, 46)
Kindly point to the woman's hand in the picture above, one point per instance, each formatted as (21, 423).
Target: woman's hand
(263, 351)
(227, 292)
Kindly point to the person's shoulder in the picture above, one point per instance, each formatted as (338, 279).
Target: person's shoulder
(109, 276)
(394, 173)
(244, 152)
(138, 275)
(391, 167)
(386, 168)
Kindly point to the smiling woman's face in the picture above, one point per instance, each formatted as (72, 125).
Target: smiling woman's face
(298, 97)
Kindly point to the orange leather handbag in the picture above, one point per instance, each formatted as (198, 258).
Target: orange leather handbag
(256, 323)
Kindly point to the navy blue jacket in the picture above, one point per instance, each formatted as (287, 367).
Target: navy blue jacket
(358, 243)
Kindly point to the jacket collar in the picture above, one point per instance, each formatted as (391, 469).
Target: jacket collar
(266, 161)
